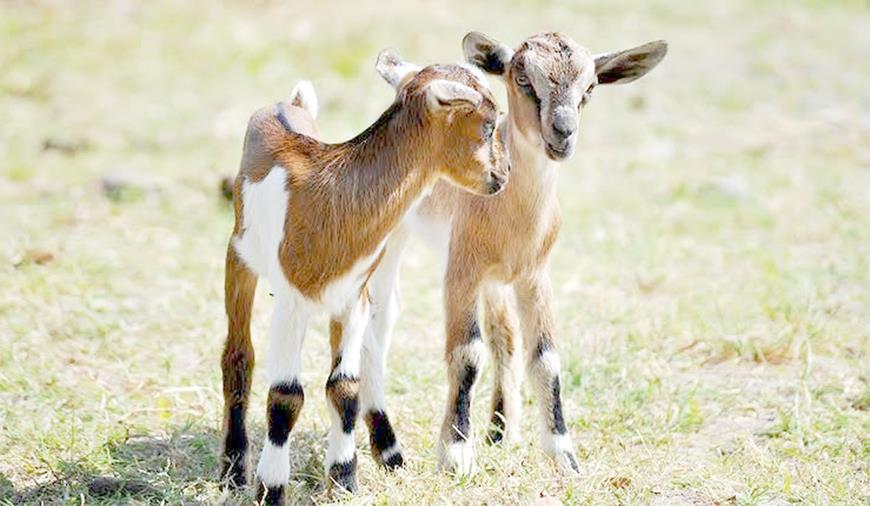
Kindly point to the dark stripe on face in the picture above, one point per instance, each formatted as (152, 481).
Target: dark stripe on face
(558, 420)
(344, 474)
(462, 422)
(343, 392)
(285, 403)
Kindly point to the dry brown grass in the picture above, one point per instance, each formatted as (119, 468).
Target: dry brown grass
(712, 274)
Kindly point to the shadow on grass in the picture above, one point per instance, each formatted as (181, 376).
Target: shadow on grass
(178, 469)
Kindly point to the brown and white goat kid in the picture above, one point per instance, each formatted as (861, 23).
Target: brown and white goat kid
(313, 218)
(499, 247)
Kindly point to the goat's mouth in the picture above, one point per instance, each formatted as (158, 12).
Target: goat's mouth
(558, 153)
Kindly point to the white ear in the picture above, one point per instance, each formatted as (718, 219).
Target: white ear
(487, 54)
(393, 68)
(627, 65)
(303, 96)
(443, 93)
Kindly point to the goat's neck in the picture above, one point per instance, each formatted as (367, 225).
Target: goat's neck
(380, 173)
(534, 177)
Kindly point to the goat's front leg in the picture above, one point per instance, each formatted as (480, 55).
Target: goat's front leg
(342, 391)
(464, 355)
(384, 291)
(285, 398)
(534, 297)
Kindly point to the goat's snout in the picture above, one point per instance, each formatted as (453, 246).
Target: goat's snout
(496, 182)
(564, 122)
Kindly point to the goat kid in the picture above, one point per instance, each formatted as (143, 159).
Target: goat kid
(499, 247)
(314, 218)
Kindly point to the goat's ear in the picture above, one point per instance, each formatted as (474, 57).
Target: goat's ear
(394, 69)
(627, 65)
(441, 93)
(488, 54)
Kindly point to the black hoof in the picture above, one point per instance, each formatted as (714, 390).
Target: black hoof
(394, 462)
(343, 474)
(270, 495)
(233, 473)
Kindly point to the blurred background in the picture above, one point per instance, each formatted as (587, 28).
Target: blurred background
(711, 276)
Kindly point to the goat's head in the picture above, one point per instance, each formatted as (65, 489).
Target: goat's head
(550, 78)
(459, 106)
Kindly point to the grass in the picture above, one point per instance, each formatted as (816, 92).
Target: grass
(712, 274)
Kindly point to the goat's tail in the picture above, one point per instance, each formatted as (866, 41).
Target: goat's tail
(303, 96)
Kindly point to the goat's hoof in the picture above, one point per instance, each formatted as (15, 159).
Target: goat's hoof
(343, 474)
(566, 461)
(270, 496)
(234, 475)
(458, 458)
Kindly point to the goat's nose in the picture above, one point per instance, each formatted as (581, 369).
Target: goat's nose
(564, 122)
(495, 183)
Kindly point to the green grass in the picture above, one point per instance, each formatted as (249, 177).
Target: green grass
(712, 276)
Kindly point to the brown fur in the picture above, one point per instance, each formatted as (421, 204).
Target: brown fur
(344, 201)
(508, 238)
(352, 194)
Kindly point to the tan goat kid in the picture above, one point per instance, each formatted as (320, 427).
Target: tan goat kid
(498, 247)
(313, 219)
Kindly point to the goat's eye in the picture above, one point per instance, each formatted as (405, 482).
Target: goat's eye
(522, 80)
(488, 128)
(587, 95)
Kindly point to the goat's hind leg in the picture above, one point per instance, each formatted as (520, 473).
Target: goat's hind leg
(384, 291)
(237, 364)
(501, 328)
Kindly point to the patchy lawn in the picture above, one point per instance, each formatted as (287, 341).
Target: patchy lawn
(712, 274)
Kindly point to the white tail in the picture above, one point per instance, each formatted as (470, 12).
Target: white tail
(303, 96)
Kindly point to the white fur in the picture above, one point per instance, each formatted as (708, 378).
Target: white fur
(393, 68)
(341, 447)
(262, 230)
(477, 73)
(264, 208)
(337, 294)
(457, 457)
(384, 292)
(561, 449)
(274, 466)
(473, 353)
(550, 363)
(303, 96)
(390, 452)
(264, 212)
(354, 324)
(442, 91)
(434, 231)
(285, 349)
